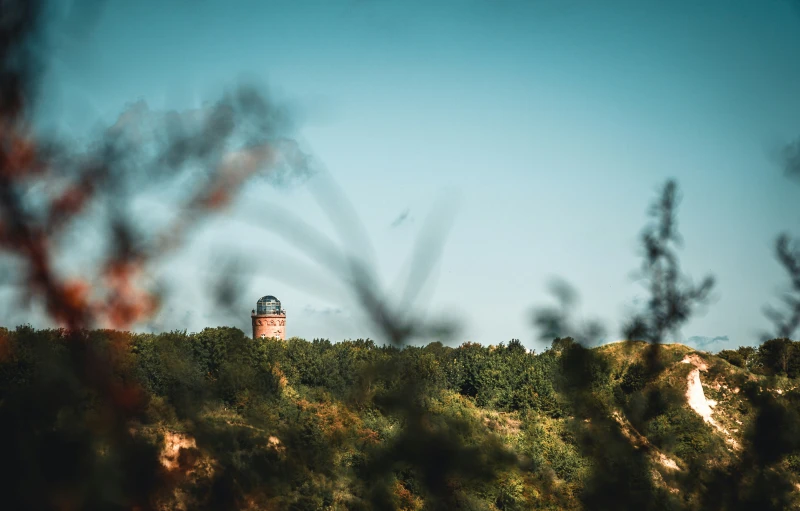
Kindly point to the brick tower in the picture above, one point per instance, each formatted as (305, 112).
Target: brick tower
(269, 320)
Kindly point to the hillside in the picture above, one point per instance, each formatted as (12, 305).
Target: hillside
(215, 420)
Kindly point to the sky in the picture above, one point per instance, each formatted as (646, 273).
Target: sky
(531, 136)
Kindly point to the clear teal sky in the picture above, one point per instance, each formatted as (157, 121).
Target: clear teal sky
(549, 123)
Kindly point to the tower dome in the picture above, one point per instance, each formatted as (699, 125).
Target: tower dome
(269, 320)
(268, 305)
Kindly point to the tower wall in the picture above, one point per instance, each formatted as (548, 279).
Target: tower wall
(269, 325)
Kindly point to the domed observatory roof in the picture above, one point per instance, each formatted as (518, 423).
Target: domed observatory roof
(268, 305)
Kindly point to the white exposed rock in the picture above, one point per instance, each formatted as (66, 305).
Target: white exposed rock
(173, 443)
(667, 462)
(697, 398)
(696, 361)
(274, 442)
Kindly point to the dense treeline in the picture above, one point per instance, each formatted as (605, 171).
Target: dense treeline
(774, 358)
(326, 407)
(319, 425)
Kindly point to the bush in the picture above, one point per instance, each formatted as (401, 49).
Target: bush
(634, 378)
(682, 432)
(733, 357)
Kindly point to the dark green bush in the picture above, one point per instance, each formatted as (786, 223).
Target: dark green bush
(634, 378)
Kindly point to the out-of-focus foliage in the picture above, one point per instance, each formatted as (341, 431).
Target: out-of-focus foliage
(106, 419)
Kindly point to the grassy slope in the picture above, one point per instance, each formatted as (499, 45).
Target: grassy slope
(545, 445)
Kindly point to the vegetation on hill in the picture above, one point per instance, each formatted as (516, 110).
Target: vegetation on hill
(221, 421)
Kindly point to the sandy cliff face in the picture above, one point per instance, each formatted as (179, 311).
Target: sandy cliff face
(696, 398)
(694, 391)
